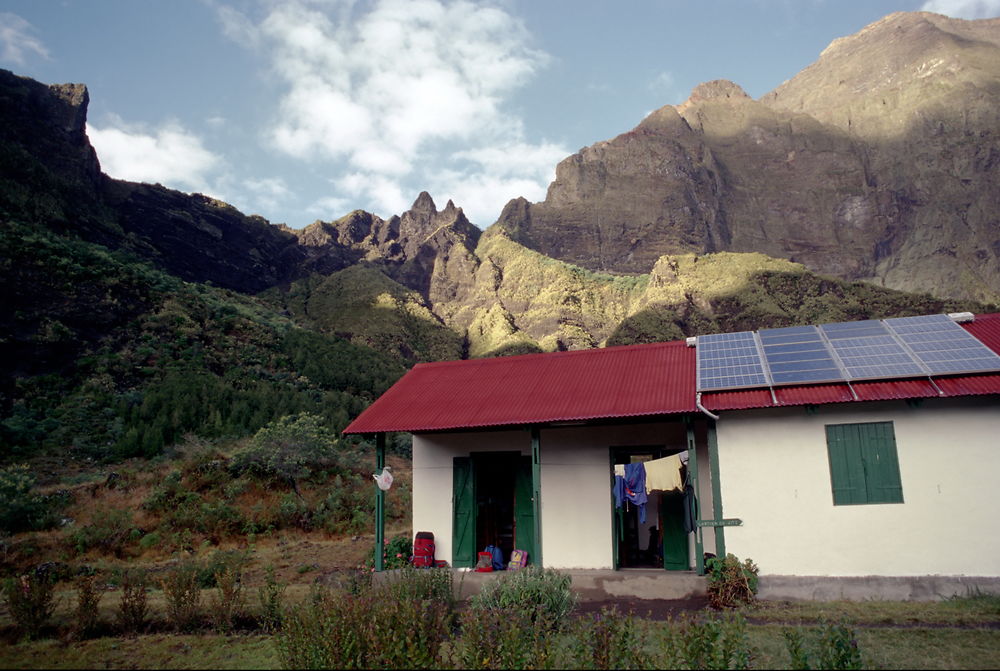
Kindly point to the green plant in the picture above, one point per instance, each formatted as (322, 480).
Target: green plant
(731, 583)
(221, 561)
(713, 642)
(609, 640)
(228, 603)
(31, 601)
(269, 596)
(363, 632)
(830, 646)
(396, 553)
(20, 508)
(110, 532)
(534, 590)
(412, 584)
(133, 605)
(289, 448)
(509, 638)
(183, 594)
(88, 599)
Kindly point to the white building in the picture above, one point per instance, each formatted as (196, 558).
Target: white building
(879, 483)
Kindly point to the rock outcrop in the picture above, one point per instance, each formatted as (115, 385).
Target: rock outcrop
(878, 162)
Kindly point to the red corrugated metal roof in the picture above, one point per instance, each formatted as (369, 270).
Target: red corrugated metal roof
(630, 381)
(614, 382)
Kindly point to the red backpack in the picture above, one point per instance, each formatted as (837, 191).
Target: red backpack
(423, 549)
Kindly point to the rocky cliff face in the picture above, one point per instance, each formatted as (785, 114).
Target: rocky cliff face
(426, 250)
(878, 162)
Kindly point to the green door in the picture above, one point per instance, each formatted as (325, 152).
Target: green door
(463, 503)
(675, 539)
(524, 509)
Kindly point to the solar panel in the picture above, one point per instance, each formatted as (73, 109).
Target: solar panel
(875, 356)
(868, 327)
(942, 346)
(729, 361)
(797, 354)
(863, 350)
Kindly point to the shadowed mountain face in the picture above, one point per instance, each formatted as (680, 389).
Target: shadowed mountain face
(878, 162)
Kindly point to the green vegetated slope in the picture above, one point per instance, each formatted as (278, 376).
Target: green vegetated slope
(110, 358)
(365, 306)
(524, 301)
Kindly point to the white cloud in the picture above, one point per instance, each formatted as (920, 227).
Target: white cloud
(169, 155)
(964, 9)
(267, 193)
(329, 208)
(380, 95)
(16, 40)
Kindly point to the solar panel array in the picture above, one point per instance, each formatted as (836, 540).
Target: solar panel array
(862, 350)
(729, 360)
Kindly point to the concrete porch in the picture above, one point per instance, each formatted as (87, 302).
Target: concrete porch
(601, 584)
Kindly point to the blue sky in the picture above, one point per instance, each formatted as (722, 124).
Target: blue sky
(307, 109)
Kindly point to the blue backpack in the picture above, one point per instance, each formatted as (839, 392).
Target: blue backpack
(497, 555)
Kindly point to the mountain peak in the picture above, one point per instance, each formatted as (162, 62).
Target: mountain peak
(424, 203)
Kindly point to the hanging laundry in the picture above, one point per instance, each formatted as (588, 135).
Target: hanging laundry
(690, 509)
(635, 487)
(620, 469)
(664, 474)
(619, 490)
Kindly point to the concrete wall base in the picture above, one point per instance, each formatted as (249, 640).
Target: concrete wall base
(867, 588)
(598, 584)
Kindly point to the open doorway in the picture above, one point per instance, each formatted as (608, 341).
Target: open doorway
(655, 537)
(492, 506)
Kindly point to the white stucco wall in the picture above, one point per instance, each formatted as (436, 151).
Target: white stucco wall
(576, 497)
(775, 476)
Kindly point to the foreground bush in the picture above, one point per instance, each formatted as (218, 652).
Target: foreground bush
(510, 638)
(730, 582)
(610, 640)
(133, 605)
(832, 646)
(369, 632)
(713, 642)
(183, 595)
(539, 592)
(30, 600)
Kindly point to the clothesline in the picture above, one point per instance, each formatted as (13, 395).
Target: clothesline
(663, 475)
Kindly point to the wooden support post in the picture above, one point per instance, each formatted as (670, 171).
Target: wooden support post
(379, 504)
(699, 544)
(713, 464)
(536, 491)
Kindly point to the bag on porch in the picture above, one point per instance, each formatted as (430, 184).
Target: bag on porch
(423, 549)
(485, 562)
(518, 560)
(496, 557)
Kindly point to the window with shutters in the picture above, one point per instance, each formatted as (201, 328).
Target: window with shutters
(863, 463)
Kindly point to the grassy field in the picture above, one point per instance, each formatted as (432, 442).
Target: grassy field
(953, 634)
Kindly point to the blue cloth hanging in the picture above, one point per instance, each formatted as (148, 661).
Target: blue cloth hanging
(619, 491)
(635, 487)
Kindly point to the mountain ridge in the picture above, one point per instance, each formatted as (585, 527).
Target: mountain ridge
(798, 175)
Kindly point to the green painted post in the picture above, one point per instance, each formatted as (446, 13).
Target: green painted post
(536, 491)
(699, 545)
(713, 464)
(379, 504)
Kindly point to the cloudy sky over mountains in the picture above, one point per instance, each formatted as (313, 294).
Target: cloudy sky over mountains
(307, 109)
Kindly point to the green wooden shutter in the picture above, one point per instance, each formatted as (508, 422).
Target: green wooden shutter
(524, 509)
(847, 474)
(463, 537)
(864, 467)
(881, 463)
